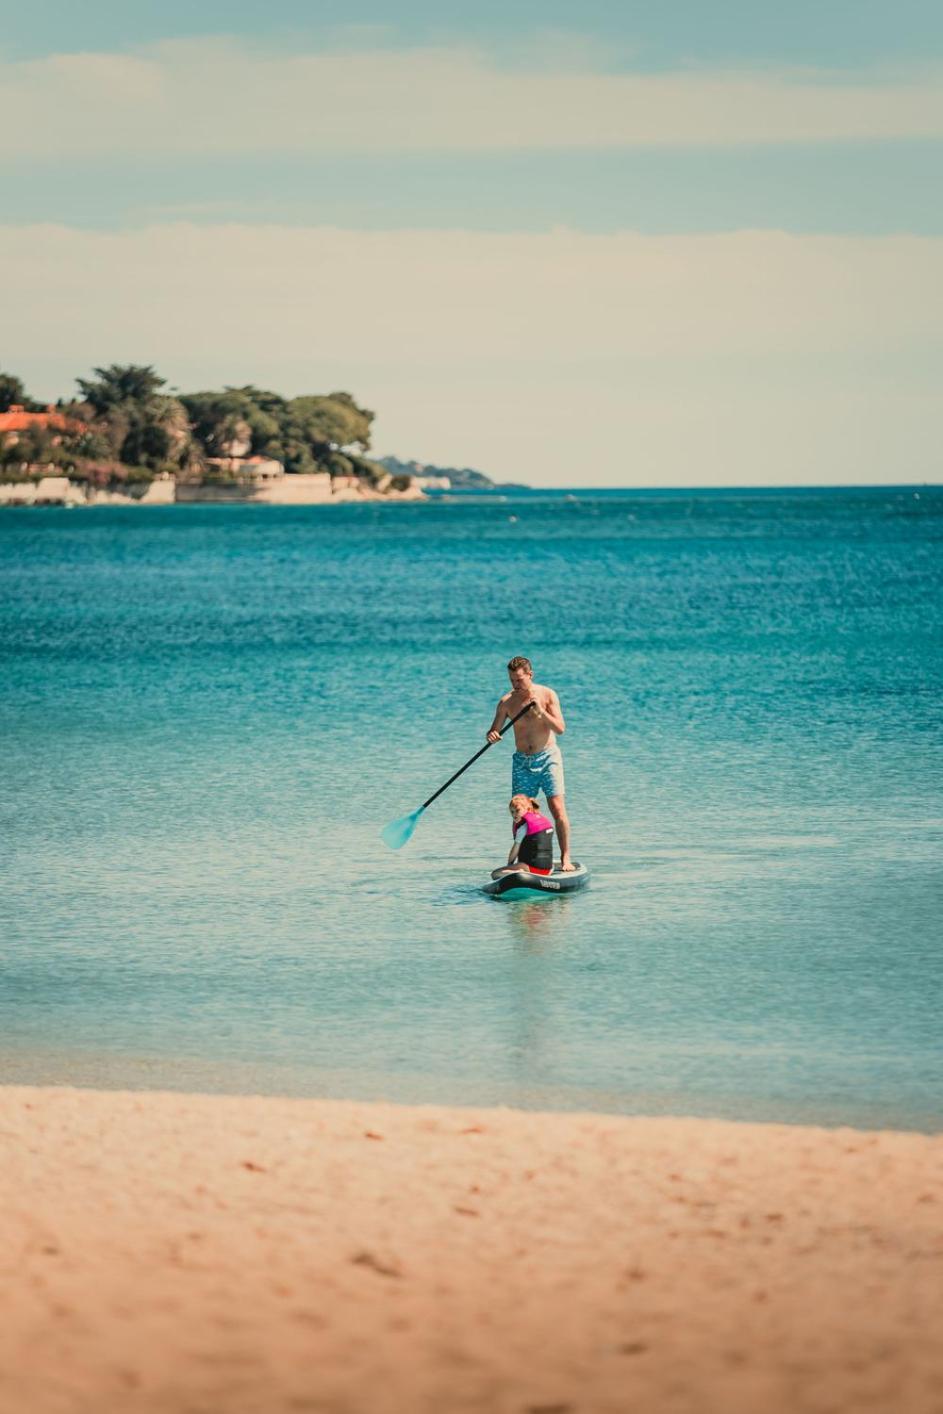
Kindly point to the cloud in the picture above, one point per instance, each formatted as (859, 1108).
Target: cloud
(750, 356)
(223, 97)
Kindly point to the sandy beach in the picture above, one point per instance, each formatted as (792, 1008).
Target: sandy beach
(194, 1253)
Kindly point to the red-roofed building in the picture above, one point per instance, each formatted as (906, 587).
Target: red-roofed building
(17, 420)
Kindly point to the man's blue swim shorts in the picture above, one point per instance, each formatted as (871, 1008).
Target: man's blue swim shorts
(540, 771)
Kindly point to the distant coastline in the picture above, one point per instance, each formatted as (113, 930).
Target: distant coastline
(448, 478)
(285, 489)
(124, 440)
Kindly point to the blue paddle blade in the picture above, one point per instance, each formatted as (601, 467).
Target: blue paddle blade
(400, 832)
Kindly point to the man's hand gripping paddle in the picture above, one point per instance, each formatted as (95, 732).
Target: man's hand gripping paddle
(400, 832)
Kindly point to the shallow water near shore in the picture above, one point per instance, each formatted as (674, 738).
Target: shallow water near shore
(208, 713)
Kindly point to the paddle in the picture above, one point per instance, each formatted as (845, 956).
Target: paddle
(400, 832)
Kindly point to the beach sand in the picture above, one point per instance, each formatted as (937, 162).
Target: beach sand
(212, 1254)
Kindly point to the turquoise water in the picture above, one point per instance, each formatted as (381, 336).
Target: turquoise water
(209, 712)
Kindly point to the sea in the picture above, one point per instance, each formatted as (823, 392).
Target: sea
(208, 713)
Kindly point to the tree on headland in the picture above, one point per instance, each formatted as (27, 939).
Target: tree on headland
(236, 422)
(129, 419)
(120, 385)
(12, 394)
(307, 433)
(331, 422)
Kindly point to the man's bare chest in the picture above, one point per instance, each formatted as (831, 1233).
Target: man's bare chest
(540, 695)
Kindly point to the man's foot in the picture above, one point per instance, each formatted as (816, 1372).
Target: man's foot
(566, 864)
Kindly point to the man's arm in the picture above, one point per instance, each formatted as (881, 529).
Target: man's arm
(551, 712)
(500, 714)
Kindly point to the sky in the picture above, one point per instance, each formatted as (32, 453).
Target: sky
(673, 245)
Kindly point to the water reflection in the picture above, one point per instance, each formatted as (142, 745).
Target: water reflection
(540, 923)
(540, 930)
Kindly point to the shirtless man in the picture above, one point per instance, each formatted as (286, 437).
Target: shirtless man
(537, 764)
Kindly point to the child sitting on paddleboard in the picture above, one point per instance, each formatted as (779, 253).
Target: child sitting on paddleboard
(533, 837)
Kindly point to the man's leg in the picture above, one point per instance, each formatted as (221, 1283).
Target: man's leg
(561, 820)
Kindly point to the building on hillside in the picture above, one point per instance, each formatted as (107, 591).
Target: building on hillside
(16, 420)
(261, 471)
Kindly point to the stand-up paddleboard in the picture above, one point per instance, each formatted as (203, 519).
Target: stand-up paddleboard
(520, 883)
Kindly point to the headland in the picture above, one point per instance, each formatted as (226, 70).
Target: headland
(124, 440)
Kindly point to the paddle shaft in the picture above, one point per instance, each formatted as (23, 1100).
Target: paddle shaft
(474, 758)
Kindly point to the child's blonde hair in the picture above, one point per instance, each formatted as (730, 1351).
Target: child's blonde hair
(523, 803)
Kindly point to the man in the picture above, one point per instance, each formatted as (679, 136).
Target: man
(537, 764)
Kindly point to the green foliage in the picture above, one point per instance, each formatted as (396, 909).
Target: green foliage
(338, 464)
(304, 433)
(12, 394)
(371, 471)
(92, 443)
(131, 420)
(34, 446)
(329, 423)
(125, 419)
(120, 384)
(248, 418)
(147, 444)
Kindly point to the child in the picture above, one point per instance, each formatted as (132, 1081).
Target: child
(532, 850)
